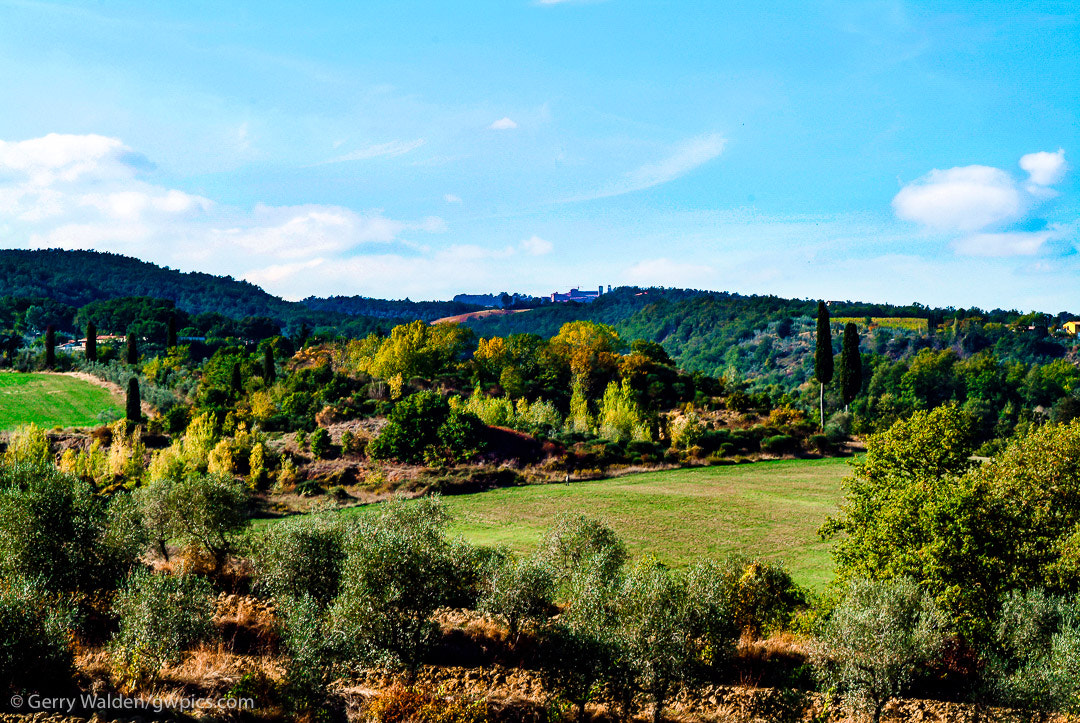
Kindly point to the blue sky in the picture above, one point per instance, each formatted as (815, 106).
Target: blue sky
(883, 151)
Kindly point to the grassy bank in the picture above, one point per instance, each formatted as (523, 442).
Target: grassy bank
(51, 400)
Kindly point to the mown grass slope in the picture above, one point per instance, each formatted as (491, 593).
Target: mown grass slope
(51, 400)
(766, 509)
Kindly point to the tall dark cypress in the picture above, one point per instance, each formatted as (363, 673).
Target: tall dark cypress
(823, 356)
(91, 342)
(170, 339)
(850, 364)
(269, 370)
(132, 350)
(134, 403)
(237, 381)
(50, 347)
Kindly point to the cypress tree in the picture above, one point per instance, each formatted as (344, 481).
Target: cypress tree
(91, 342)
(170, 339)
(237, 382)
(269, 371)
(132, 350)
(134, 403)
(851, 365)
(823, 356)
(50, 347)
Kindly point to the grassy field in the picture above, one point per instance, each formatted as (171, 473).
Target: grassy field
(766, 509)
(910, 323)
(51, 400)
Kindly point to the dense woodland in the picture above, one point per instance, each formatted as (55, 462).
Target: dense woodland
(123, 548)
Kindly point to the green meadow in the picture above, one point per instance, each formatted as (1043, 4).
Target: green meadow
(51, 400)
(766, 509)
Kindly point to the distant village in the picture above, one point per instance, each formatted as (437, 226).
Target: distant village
(505, 300)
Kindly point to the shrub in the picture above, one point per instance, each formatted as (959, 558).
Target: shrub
(519, 591)
(779, 444)
(877, 639)
(320, 443)
(404, 704)
(56, 531)
(686, 430)
(424, 427)
(208, 511)
(301, 557)
(28, 445)
(160, 616)
(34, 650)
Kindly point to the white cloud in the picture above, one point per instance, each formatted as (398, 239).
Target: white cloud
(1044, 168)
(503, 124)
(961, 199)
(452, 198)
(536, 246)
(84, 192)
(390, 149)
(685, 158)
(67, 158)
(971, 199)
(1009, 243)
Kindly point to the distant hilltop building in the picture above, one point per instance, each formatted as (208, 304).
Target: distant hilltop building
(1071, 327)
(578, 295)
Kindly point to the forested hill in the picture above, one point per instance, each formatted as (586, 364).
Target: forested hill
(708, 331)
(389, 308)
(77, 278)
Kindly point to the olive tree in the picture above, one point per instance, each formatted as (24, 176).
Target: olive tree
(301, 557)
(205, 510)
(399, 568)
(160, 615)
(56, 531)
(577, 543)
(518, 591)
(876, 641)
(1034, 660)
(34, 640)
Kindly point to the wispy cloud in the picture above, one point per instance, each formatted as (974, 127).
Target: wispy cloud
(388, 150)
(503, 124)
(687, 156)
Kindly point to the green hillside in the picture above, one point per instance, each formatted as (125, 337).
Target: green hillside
(53, 400)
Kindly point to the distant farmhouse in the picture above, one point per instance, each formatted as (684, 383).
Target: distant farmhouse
(80, 345)
(1071, 327)
(578, 295)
